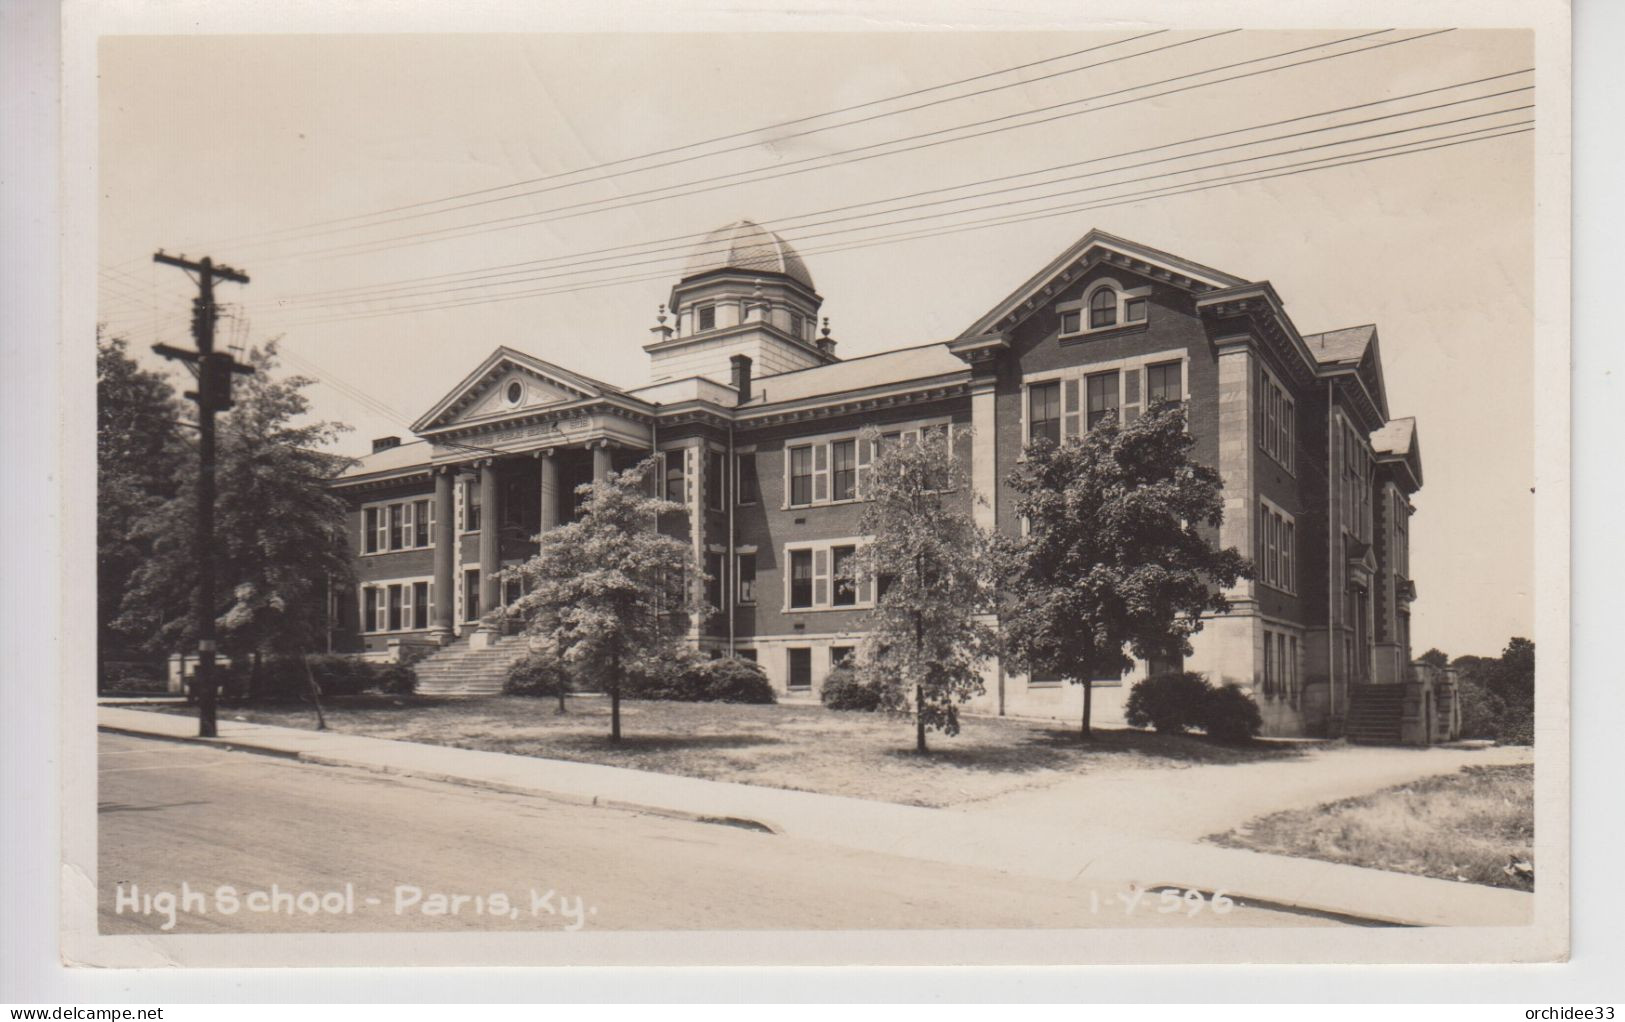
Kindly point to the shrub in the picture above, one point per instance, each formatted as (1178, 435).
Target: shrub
(665, 677)
(1230, 715)
(1486, 715)
(121, 676)
(844, 691)
(688, 677)
(537, 674)
(1171, 703)
(733, 680)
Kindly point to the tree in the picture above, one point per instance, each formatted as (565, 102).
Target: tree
(280, 540)
(1117, 551)
(609, 590)
(1434, 657)
(928, 633)
(138, 467)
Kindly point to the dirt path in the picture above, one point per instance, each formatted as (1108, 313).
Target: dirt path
(1190, 803)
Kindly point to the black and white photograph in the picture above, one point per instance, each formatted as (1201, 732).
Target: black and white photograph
(1061, 492)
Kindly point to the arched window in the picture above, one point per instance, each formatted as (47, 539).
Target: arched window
(1102, 308)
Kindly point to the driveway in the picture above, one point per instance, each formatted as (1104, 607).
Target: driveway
(1189, 803)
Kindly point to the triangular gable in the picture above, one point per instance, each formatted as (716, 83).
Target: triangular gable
(1098, 247)
(488, 390)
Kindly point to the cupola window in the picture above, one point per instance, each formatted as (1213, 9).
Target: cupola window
(706, 317)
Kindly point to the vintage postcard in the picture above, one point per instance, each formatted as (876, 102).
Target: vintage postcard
(1029, 489)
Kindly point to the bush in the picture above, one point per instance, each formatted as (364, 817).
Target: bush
(664, 677)
(844, 691)
(688, 677)
(1171, 703)
(1486, 715)
(537, 674)
(282, 679)
(733, 680)
(124, 676)
(1231, 715)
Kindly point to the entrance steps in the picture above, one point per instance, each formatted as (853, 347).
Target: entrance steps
(460, 670)
(1375, 714)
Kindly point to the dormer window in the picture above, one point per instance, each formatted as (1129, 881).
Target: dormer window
(706, 317)
(1103, 309)
(1106, 306)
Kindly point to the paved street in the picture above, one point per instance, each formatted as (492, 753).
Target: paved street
(308, 848)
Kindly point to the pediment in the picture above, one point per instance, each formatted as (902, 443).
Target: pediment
(1097, 248)
(508, 382)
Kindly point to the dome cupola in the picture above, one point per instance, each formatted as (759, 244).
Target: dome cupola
(744, 291)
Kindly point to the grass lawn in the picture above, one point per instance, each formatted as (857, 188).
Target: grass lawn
(805, 747)
(1464, 826)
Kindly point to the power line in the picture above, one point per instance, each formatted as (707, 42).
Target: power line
(856, 154)
(1409, 148)
(781, 223)
(408, 292)
(993, 205)
(730, 137)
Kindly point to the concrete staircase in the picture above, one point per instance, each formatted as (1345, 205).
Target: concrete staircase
(458, 670)
(1375, 713)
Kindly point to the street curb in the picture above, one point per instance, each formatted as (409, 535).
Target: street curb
(569, 798)
(1200, 875)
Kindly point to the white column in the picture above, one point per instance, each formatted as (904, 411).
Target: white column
(984, 458)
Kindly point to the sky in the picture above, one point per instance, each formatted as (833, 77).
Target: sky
(322, 166)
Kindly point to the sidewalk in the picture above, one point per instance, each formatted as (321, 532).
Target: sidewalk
(1010, 843)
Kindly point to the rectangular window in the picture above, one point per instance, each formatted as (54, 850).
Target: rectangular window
(420, 604)
(1102, 397)
(1134, 310)
(473, 504)
(1292, 667)
(844, 464)
(394, 608)
(747, 578)
(714, 461)
(799, 674)
(674, 476)
(846, 583)
(707, 317)
(1072, 321)
(746, 654)
(1276, 535)
(1276, 413)
(801, 476)
(1044, 412)
(840, 656)
(1164, 384)
(395, 533)
(1269, 664)
(369, 609)
(801, 578)
(713, 581)
(369, 529)
(797, 326)
(422, 520)
(749, 488)
(471, 594)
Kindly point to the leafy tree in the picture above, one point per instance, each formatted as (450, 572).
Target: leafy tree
(1117, 551)
(928, 633)
(1434, 657)
(599, 593)
(279, 531)
(138, 466)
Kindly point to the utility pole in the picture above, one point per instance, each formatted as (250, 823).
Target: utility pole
(213, 394)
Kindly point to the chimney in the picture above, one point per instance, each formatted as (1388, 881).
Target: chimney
(741, 376)
(384, 443)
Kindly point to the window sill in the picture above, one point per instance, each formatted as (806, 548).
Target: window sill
(826, 610)
(827, 503)
(1272, 587)
(1103, 332)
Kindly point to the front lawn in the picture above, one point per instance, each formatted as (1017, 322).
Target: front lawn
(863, 755)
(1475, 825)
